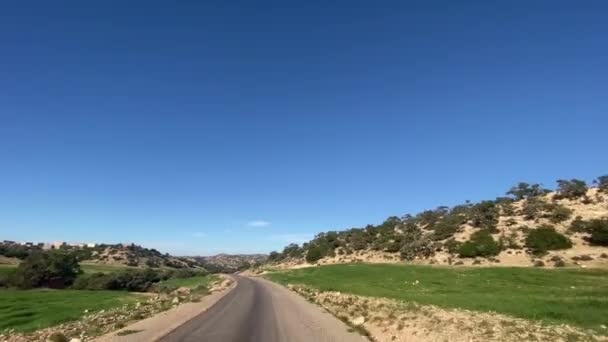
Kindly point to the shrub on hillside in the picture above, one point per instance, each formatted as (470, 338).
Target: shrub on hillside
(314, 254)
(546, 238)
(571, 189)
(558, 213)
(446, 227)
(533, 208)
(54, 269)
(507, 208)
(17, 251)
(275, 256)
(485, 215)
(422, 248)
(509, 241)
(480, 244)
(578, 225)
(524, 190)
(138, 280)
(599, 232)
(602, 183)
(428, 218)
(452, 245)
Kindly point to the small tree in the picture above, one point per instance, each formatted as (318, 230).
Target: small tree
(546, 238)
(599, 232)
(602, 183)
(533, 208)
(558, 213)
(55, 269)
(314, 254)
(481, 244)
(524, 190)
(485, 215)
(571, 189)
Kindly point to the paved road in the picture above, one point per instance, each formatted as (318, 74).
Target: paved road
(260, 311)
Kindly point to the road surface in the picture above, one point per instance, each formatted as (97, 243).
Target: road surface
(260, 311)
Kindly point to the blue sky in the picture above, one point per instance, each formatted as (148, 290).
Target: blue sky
(199, 127)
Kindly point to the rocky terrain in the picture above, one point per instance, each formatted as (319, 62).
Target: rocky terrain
(386, 320)
(532, 226)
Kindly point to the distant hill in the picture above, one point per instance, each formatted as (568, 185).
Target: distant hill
(101, 254)
(230, 262)
(531, 226)
(134, 255)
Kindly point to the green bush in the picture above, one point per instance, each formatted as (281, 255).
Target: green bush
(480, 244)
(138, 280)
(57, 337)
(446, 227)
(558, 213)
(533, 208)
(599, 232)
(525, 190)
(602, 183)
(509, 241)
(314, 254)
(571, 189)
(55, 269)
(422, 247)
(578, 225)
(545, 238)
(485, 215)
(452, 245)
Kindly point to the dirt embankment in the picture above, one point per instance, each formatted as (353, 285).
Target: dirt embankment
(392, 321)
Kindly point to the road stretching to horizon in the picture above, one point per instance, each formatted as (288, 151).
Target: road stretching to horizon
(258, 310)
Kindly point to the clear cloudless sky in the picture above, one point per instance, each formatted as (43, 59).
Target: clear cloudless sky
(199, 127)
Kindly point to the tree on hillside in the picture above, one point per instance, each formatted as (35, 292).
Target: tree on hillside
(571, 189)
(485, 215)
(292, 251)
(54, 269)
(480, 244)
(533, 208)
(274, 256)
(524, 190)
(602, 183)
(546, 238)
(599, 232)
(314, 254)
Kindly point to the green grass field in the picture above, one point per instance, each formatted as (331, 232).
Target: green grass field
(7, 269)
(86, 268)
(94, 268)
(35, 309)
(194, 282)
(574, 296)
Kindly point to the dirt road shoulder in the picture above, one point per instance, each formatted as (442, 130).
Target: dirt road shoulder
(155, 327)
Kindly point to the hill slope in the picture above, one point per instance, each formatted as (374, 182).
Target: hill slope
(230, 262)
(531, 226)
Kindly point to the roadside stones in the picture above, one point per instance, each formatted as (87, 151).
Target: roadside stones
(175, 300)
(183, 291)
(75, 340)
(358, 321)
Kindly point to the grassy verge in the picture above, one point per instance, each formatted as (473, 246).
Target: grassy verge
(94, 268)
(193, 283)
(31, 310)
(7, 269)
(572, 296)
